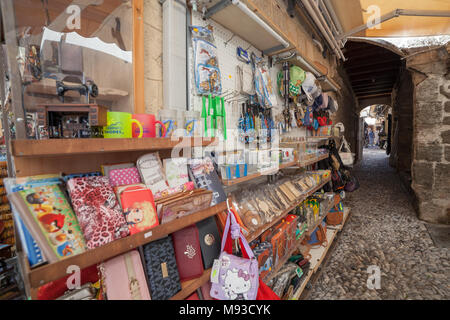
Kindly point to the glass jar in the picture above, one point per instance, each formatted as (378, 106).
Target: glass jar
(169, 118)
(192, 124)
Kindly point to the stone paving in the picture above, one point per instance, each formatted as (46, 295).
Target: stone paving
(383, 231)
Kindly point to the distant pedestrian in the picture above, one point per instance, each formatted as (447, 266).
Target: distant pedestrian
(371, 138)
(376, 139)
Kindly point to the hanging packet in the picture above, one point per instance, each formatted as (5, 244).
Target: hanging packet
(206, 65)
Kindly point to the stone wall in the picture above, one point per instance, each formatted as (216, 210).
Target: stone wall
(153, 73)
(402, 110)
(431, 138)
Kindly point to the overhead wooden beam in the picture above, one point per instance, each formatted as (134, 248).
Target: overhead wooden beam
(375, 95)
(360, 93)
(374, 75)
(368, 85)
(370, 70)
(369, 80)
(373, 54)
(372, 63)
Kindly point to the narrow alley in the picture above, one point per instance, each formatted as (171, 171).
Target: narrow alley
(384, 231)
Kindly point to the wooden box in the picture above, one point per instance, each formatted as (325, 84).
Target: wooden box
(97, 114)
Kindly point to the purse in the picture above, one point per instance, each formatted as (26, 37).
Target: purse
(124, 277)
(86, 292)
(124, 177)
(209, 238)
(188, 253)
(346, 155)
(161, 269)
(185, 204)
(318, 237)
(336, 215)
(233, 277)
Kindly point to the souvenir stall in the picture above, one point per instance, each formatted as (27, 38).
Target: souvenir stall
(138, 206)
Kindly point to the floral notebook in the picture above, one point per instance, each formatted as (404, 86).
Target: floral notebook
(98, 210)
(51, 221)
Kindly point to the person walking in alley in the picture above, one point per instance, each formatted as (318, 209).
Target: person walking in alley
(376, 139)
(371, 137)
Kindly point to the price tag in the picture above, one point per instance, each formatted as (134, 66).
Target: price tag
(215, 271)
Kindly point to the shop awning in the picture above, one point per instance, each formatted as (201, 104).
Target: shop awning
(356, 13)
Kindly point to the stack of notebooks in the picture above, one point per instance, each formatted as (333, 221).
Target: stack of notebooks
(58, 216)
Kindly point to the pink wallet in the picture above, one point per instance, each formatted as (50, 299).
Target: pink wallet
(125, 278)
(124, 177)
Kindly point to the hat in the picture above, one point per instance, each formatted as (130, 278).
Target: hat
(318, 102)
(324, 104)
(332, 105)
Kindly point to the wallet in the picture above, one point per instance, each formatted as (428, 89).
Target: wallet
(187, 203)
(124, 177)
(161, 269)
(210, 241)
(188, 253)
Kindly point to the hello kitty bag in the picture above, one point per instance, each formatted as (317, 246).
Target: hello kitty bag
(233, 277)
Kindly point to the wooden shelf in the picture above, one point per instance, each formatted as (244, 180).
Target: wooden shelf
(48, 87)
(233, 182)
(188, 287)
(54, 271)
(319, 221)
(261, 230)
(65, 147)
(306, 163)
(319, 254)
(306, 279)
(306, 233)
(318, 138)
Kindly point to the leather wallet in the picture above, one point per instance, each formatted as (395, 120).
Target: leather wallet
(188, 253)
(161, 269)
(210, 241)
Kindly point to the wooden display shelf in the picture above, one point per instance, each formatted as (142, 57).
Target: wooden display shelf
(306, 233)
(63, 147)
(318, 138)
(319, 221)
(188, 287)
(233, 182)
(319, 254)
(306, 163)
(57, 270)
(281, 263)
(261, 230)
(48, 87)
(300, 290)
